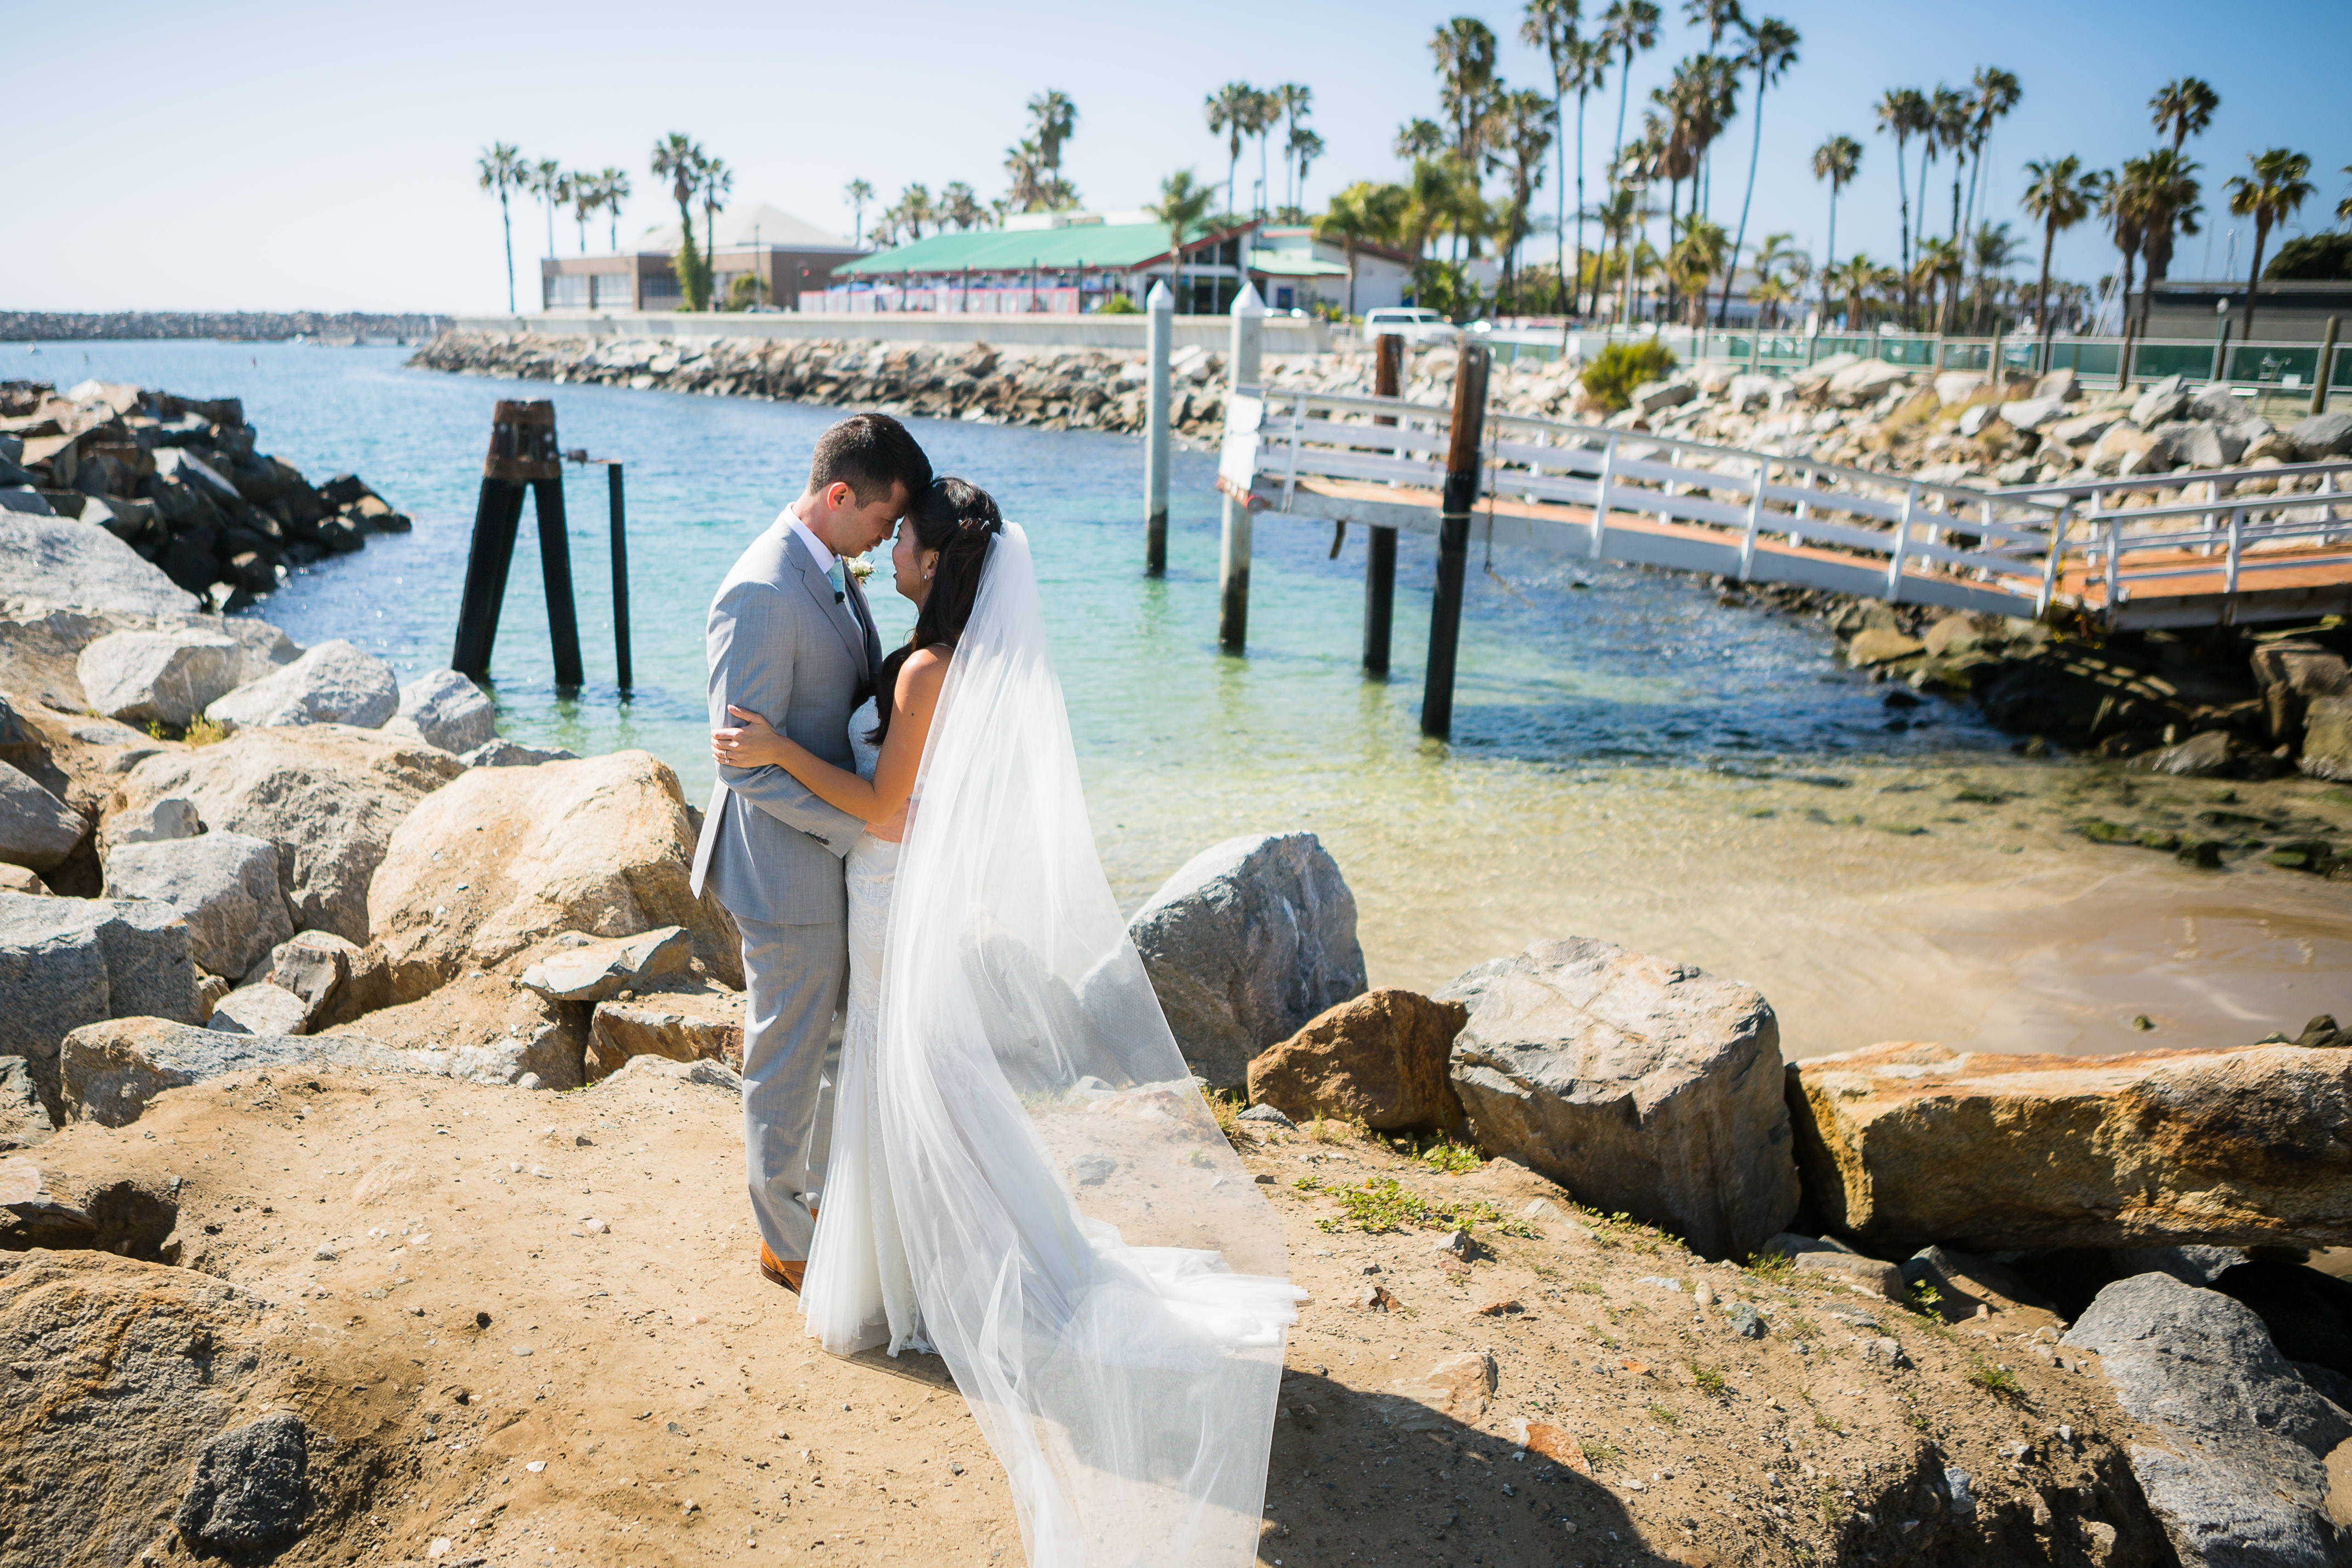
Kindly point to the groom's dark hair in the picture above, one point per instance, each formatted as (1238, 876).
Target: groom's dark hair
(867, 452)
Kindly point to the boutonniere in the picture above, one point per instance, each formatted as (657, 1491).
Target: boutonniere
(860, 568)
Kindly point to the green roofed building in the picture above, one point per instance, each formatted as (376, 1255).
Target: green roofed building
(1056, 263)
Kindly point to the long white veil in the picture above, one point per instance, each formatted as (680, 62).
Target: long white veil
(1095, 1265)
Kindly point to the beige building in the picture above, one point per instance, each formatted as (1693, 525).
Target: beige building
(787, 256)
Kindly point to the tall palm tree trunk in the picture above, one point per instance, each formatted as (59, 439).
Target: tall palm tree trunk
(1830, 252)
(505, 222)
(1903, 193)
(1560, 202)
(2261, 232)
(1755, 150)
(1580, 214)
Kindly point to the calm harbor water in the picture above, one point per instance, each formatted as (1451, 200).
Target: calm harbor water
(1630, 761)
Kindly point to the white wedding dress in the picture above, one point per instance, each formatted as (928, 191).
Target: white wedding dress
(1024, 1172)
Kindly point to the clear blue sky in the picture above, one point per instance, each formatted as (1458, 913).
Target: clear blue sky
(282, 156)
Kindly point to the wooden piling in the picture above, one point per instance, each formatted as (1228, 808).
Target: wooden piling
(1379, 564)
(1160, 311)
(2326, 364)
(1461, 494)
(522, 455)
(620, 577)
(1233, 547)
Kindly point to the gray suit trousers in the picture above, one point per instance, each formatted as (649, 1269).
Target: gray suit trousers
(792, 977)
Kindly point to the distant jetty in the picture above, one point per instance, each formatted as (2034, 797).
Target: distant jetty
(233, 326)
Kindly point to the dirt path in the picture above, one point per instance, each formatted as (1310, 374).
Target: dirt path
(509, 1383)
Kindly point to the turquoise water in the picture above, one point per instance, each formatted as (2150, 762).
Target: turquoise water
(1630, 761)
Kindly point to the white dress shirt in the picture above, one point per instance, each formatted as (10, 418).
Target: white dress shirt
(816, 547)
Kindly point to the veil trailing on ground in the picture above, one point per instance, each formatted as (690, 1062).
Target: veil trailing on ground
(1094, 1264)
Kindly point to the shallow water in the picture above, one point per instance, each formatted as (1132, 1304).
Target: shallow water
(1630, 759)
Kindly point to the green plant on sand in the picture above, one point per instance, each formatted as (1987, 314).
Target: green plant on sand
(1611, 375)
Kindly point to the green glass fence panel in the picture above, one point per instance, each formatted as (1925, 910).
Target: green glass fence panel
(2274, 365)
(1965, 355)
(2085, 359)
(2343, 368)
(2154, 361)
(1920, 352)
(2023, 356)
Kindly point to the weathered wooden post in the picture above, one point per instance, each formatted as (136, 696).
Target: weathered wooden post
(1161, 312)
(2326, 364)
(1453, 537)
(1379, 565)
(1233, 549)
(620, 577)
(522, 453)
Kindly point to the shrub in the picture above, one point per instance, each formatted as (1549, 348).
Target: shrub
(1614, 373)
(1118, 305)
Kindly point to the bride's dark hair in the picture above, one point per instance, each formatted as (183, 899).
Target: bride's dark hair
(956, 518)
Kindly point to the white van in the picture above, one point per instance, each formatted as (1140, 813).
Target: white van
(1413, 326)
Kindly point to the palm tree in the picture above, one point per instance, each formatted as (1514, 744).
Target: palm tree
(911, 211)
(546, 183)
(1836, 161)
(1771, 49)
(1364, 211)
(859, 194)
(2059, 194)
(2276, 187)
(1696, 257)
(585, 197)
(1464, 50)
(1551, 25)
(1997, 92)
(1944, 266)
(1228, 109)
(679, 160)
(1529, 123)
(960, 206)
(1305, 146)
(501, 169)
(2343, 208)
(1994, 249)
(1293, 101)
(1182, 204)
(1052, 117)
(1902, 111)
(1417, 139)
(2183, 108)
(1265, 113)
(2166, 196)
(1627, 29)
(1952, 122)
(1718, 18)
(714, 180)
(611, 190)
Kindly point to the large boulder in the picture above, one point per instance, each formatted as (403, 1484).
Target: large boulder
(251, 1485)
(2033, 413)
(224, 884)
(484, 1028)
(163, 676)
(1642, 1086)
(683, 1025)
(63, 561)
(327, 796)
(504, 859)
(2327, 739)
(2321, 437)
(108, 1072)
(1249, 940)
(586, 970)
(1381, 1058)
(37, 830)
(334, 683)
(2291, 672)
(1905, 1144)
(1865, 382)
(64, 962)
(2243, 1477)
(2163, 402)
(444, 709)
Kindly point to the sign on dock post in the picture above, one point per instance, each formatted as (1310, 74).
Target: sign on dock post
(1460, 495)
(524, 455)
(1160, 311)
(1234, 546)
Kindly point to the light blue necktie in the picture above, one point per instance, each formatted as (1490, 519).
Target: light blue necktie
(832, 575)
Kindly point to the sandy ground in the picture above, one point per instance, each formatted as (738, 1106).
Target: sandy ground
(509, 1383)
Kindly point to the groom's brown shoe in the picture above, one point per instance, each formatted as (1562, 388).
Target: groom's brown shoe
(776, 1272)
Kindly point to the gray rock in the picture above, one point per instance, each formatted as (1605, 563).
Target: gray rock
(505, 753)
(2160, 403)
(444, 709)
(260, 1008)
(334, 683)
(2202, 444)
(224, 884)
(2243, 1478)
(2033, 413)
(65, 963)
(1248, 941)
(592, 970)
(2328, 434)
(156, 822)
(315, 966)
(2219, 403)
(1655, 396)
(1268, 1114)
(1744, 1320)
(328, 796)
(2327, 739)
(24, 1121)
(1640, 1085)
(27, 501)
(2203, 756)
(263, 648)
(108, 1072)
(251, 1485)
(1831, 1260)
(60, 561)
(703, 1072)
(2189, 1265)
(37, 830)
(166, 677)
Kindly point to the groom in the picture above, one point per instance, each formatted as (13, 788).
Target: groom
(790, 639)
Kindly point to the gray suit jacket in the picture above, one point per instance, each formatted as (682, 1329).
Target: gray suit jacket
(782, 646)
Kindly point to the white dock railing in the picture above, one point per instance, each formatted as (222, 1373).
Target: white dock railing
(1756, 515)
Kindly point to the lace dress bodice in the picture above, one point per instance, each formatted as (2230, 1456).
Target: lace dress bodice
(865, 753)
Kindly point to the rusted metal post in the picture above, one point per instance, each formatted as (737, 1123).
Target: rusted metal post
(1461, 494)
(1379, 564)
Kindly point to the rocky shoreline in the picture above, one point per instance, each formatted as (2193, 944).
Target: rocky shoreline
(330, 327)
(178, 480)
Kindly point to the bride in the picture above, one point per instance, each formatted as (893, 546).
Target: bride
(1023, 1174)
